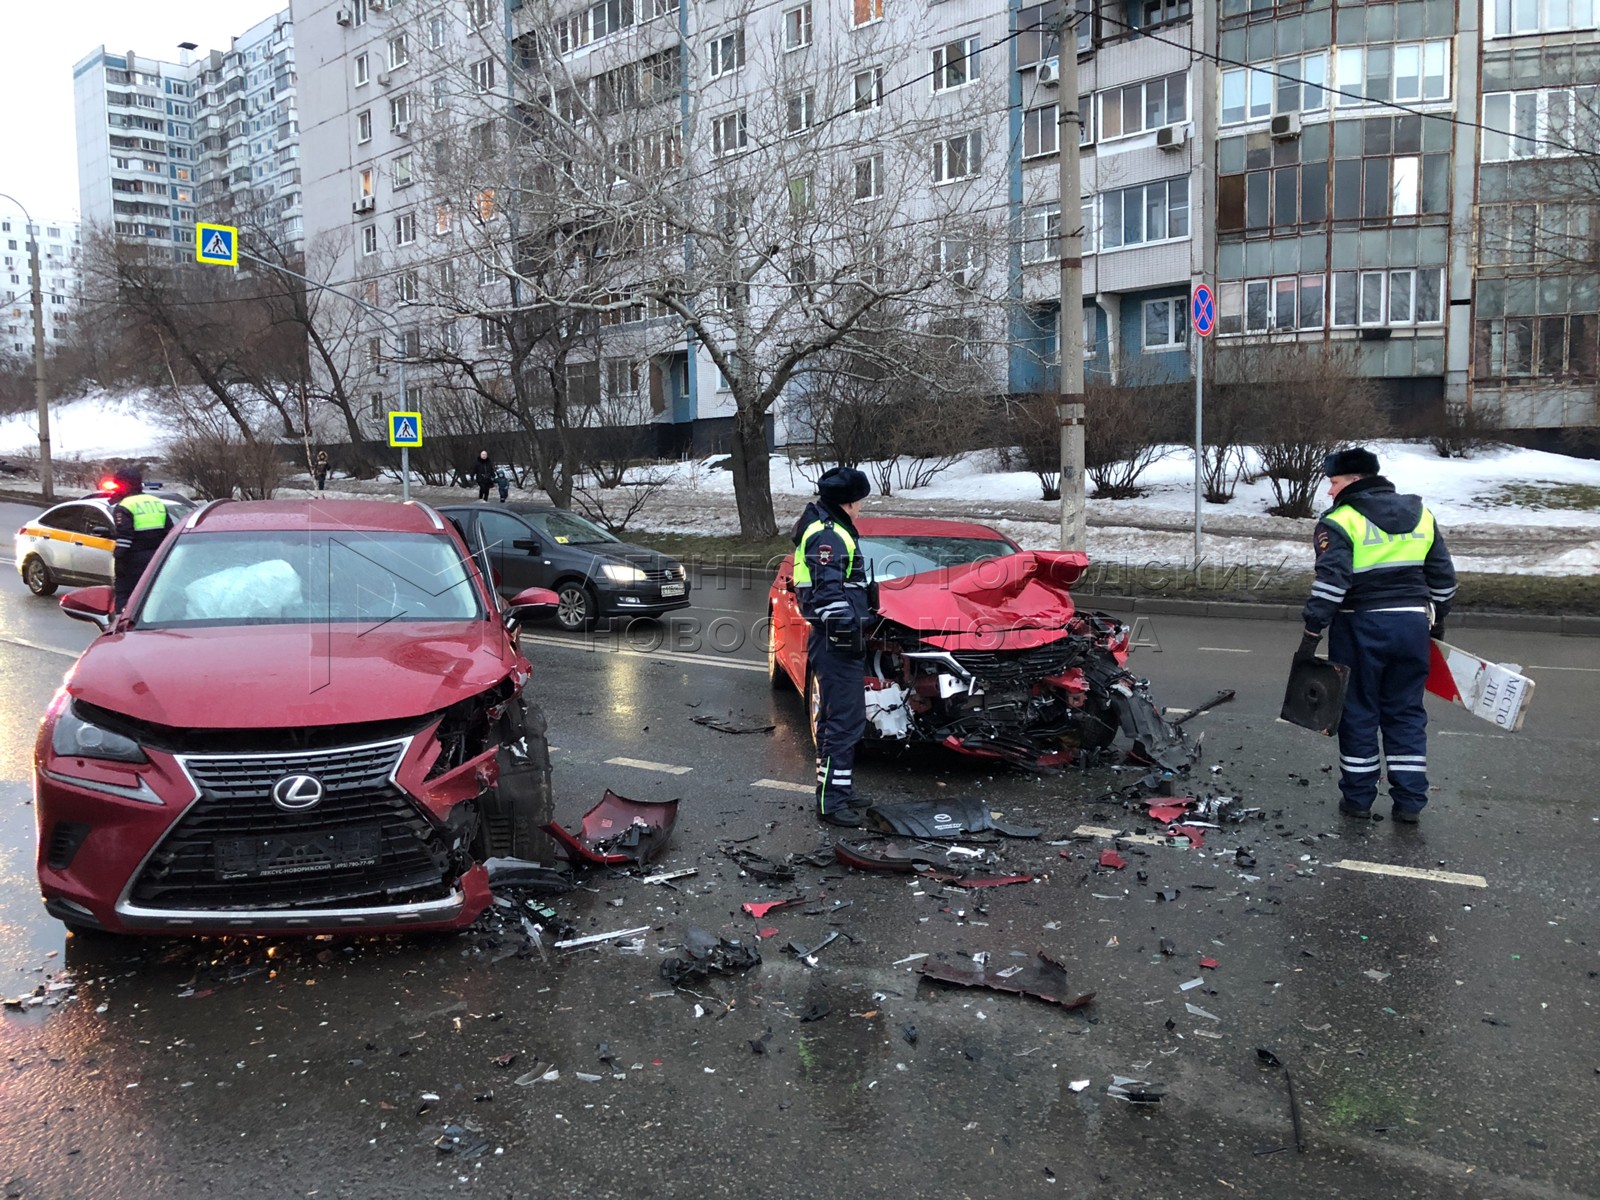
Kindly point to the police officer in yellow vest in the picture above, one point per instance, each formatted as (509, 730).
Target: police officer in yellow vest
(142, 522)
(831, 584)
(1383, 577)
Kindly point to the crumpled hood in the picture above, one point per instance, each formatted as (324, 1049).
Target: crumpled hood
(1011, 603)
(1377, 501)
(267, 676)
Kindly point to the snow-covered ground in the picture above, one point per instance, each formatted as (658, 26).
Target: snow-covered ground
(1488, 530)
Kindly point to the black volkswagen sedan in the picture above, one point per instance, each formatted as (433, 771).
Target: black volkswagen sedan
(594, 574)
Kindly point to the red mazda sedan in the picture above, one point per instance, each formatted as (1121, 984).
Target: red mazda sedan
(978, 646)
(309, 720)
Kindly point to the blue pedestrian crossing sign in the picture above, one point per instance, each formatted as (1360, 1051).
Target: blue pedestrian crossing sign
(217, 245)
(1203, 310)
(405, 429)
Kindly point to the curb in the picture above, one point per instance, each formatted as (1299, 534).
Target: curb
(1236, 610)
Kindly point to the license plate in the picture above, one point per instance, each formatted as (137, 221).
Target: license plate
(268, 858)
(672, 589)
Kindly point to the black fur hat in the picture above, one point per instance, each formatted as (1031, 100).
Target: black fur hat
(843, 485)
(1357, 460)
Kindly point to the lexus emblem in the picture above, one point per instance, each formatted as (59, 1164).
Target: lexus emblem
(295, 793)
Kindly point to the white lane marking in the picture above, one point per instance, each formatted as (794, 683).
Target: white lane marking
(1223, 649)
(646, 765)
(24, 642)
(1143, 839)
(1589, 670)
(698, 660)
(783, 785)
(1372, 868)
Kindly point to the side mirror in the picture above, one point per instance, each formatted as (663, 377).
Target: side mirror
(92, 604)
(531, 545)
(528, 604)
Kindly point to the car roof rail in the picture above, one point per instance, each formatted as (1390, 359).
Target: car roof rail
(193, 520)
(429, 509)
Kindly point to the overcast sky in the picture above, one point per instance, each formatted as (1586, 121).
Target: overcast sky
(39, 43)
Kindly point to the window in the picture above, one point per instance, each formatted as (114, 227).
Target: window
(1411, 71)
(1281, 86)
(1557, 346)
(364, 125)
(955, 257)
(399, 52)
(369, 239)
(358, 12)
(1039, 131)
(400, 114)
(405, 287)
(728, 134)
(1139, 107)
(659, 8)
(1508, 18)
(1381, 298)
(1159, 12)
(868, 177)
(660, 75)
(436, 32)
(801, 112)
(865, 12)
(479, 13)
(797, 28)
(400, 171)
(955, 64)
(1036, 36)
(483, 75)
(1166, 324)
(1151, 212)
(956, 158)
(362, 69)
(440, 91)
(868, 89)
(1550, 123)
(490, 332)
(447, 276)
(621, 377)
(366, 183)
(1041, 229)
(726, 54)
(800, 194)
(405, 229)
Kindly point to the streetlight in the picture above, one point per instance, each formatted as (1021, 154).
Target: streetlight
(47, 483)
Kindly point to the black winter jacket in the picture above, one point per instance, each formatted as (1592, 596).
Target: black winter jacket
(1411, 585)
(838, 594)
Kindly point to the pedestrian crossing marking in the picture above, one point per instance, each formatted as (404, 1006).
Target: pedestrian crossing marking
(1427, 873)
(641, 764)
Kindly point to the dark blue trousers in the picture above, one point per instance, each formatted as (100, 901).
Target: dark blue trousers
(840, 720)
(1387, 653)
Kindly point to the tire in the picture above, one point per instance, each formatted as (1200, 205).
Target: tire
(36, 574)
(522, 802)
(813, 703)
(576, 606)
(777, 678)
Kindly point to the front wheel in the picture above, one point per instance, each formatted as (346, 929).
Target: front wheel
(814, 704)
(576, 607)
(38, 577)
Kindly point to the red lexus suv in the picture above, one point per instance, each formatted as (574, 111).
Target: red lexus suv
(308, 720)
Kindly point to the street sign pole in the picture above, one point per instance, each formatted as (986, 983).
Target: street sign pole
(1203, 316)
(405, 474)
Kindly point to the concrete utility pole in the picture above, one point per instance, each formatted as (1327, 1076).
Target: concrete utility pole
(1069, 403)
(41, 396)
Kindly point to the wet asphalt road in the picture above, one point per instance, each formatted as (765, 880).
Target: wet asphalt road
(1470, 1068)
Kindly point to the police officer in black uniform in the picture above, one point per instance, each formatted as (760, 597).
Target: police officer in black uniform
(142, 523)
(1383, 576)
(831, 583)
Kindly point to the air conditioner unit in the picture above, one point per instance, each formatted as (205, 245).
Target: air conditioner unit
(375, 5)
(1172, 137)
(1285, 126)
(402, 128)
(364, 205)
(343, 16)
(383, 78)
(1049, 74)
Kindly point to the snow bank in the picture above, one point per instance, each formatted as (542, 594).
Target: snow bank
(99, 425)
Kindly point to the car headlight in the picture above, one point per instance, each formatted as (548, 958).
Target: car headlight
(677, 572)
(73, 737)
(623, 573)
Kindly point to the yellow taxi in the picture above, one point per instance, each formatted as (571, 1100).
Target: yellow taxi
(72, 542)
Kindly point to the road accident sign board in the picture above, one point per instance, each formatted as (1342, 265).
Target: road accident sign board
(405, 429)
(216, 245)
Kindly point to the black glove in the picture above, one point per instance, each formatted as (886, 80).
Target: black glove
(1436, 630)
(1308, 647)
(847, 638)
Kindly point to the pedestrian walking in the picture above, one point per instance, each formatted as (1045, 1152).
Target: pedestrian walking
(502, 481)
(322, 470)
(483, 474)
(141, 522)
(831, 584)
(1384, 584)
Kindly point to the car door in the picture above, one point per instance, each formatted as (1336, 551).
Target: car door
(92, 548)
(510, 542)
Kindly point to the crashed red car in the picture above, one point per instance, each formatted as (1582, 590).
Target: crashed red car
(309, 720)
(978, 646)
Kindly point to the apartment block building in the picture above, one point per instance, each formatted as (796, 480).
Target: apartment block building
(58, 280)
(162, 144)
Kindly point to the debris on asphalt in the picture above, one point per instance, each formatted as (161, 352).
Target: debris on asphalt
(1135, 1090)
(936, 819)
(595, 938)
(524, 875)
(618, 831)
(1110, 858)
(1044, 979)
(50, 994)
(1167, 894)
(986, 881)
(1377, 976)
(908, 1031)
(758, 1045)
(464, 1141)
(815, 1013)
(1270, 1060)
(1197, 981)
(1209, 964)
(669, 876)
(758, 865)
(1221, 697)
(708, 955)
(1078, 1085)
(760, 908)
(722, 726)
(538, 1075)
(808, 955)
(1196, 1011)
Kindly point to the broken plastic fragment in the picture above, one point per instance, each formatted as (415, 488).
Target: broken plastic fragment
(760, 908)
(708, 955)
(1168, 894)
(1209, 964)
(1197, 981)
(1376, 976)
(1135, 1091)
(1045, 979)
(815, 1013)
(909, 1032)
(1078, 1085)
(1197, 1011)
(758, 1045)
(619, 830)
(1110, 858)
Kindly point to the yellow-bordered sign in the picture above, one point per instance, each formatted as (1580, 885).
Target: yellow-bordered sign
(405, 429)
(216, 245)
